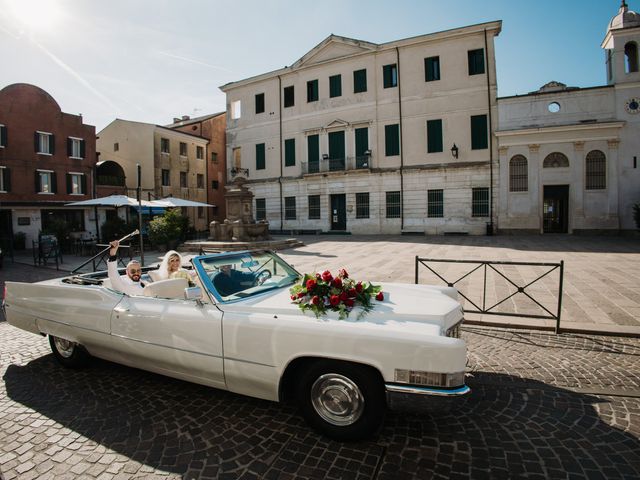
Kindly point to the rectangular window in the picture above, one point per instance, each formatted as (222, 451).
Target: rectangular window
(431, 69)
(116, 147)
(335, 86)
(5, 179)
(260, 157)
(390, 76)
(200, 212)
(3, 136)
(360, 81)
(214, 157)
(362, 205)
(261, 209)
(183, 149)
(200, 153)
(183, 179)
(314, 207)
(75, 147)
(435, 203)
(200, 180)
(44, 143)
(46, 181)
(393, 204)
(236, 109)
(259, 103)
(312, 91)
(476, 61)
(434, 136)
(289, 208)
(215, 184)
(362, 148)
(479, 132)
(480, 202)
(166, 179)
(76, 184)
(164, 145)
(391, 140)
(289, 152)
(313, 153)
(289, 97)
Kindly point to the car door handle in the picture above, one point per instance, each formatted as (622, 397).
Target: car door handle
(121, 310)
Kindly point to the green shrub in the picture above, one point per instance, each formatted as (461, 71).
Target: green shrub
(116, 228)
(60, 228)
(167, 229)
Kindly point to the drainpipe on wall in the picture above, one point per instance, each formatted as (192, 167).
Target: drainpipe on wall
(401, 146)
(280, 149)
(486, 50)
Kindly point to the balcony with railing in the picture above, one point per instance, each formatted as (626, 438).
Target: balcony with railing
(343, 164)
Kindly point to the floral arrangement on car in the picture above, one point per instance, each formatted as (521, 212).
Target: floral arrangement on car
(320, 292)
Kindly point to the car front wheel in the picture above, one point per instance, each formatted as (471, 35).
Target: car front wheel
(341, 400)
(69, 354)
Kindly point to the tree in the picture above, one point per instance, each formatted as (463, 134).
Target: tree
(167, 229)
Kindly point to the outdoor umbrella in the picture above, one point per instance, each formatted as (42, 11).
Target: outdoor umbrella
(112, 201)
(171, 202)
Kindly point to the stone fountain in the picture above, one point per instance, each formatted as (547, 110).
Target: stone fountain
(239, 226)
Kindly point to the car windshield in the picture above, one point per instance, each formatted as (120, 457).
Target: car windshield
(241, 275)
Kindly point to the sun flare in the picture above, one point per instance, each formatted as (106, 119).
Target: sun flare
(36, 14)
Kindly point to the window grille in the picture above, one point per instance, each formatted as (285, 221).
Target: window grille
(362, 205)
(518, 174)
(289, 208)
(480, 202)
(435, 203)
(556, 160)
(314, 207)
(596, 169)
(393, 205)
(261, 209)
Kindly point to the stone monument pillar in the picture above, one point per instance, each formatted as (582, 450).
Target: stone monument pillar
(239, 225)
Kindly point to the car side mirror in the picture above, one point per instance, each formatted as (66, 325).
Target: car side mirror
(193, 293)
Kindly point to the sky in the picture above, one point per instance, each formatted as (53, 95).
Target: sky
(152, 60)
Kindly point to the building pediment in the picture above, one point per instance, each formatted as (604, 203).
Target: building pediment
(337, 123)
(334, 47)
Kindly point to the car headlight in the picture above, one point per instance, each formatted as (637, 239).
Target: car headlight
(429, 379)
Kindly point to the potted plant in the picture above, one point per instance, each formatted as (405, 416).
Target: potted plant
(166, 230)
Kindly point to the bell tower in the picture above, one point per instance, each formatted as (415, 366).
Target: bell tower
(621, 45)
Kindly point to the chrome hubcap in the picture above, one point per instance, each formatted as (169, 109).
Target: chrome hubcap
(337, 399)
(65, 347)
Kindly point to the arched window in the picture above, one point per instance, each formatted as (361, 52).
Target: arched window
(631, 56)
(518, 174)
(596, 170)
(555, 160)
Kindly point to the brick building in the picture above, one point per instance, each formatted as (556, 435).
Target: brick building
(47, 159)
(213, 128)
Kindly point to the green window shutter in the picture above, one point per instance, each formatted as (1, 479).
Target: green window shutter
(312, 91)
(479, 132)
(36, 143)
(390, 76)
(313, 153)
(335, 86)
(360, 81)
(434, 136)
(69, 147)
(3, 135)
(7, 179)
(69, 186)
(260, 160)
(391, 140)
(476, 61)
(289, 97)
(290, 152)
(336, 145)
(362, 141)
(82, 149)
(37, 182)
(83, 184)
(52, 145)
(431, 69)
(259, 103)
(54, 183)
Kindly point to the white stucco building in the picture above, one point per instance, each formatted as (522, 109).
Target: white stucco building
(373, 138)
(569, 156)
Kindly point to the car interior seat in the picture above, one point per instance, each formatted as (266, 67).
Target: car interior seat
(171, 288)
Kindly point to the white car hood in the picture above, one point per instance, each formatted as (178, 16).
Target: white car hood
(402, 303)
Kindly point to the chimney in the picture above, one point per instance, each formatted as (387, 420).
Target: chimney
(176, 120)
(185, 117)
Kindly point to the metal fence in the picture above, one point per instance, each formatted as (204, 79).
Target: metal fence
(490, 304)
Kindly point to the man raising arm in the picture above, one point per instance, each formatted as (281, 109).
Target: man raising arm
(129, 283)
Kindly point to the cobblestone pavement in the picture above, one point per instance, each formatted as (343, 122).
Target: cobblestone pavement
(542, 406)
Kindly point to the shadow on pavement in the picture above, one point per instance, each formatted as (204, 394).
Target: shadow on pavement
(508, 427)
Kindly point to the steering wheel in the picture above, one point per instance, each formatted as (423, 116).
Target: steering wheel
(263, 276)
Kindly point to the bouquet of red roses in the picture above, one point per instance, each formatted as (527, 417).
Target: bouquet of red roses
(320, 292)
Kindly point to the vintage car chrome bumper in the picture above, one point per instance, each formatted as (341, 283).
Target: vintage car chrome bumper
(423, 399)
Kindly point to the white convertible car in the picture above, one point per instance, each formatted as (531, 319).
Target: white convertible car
(253, 340)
